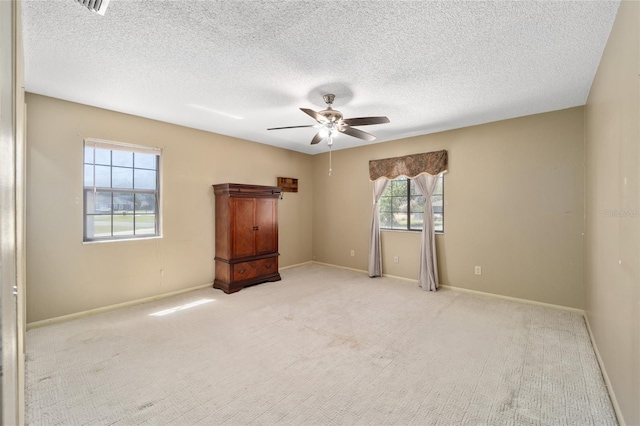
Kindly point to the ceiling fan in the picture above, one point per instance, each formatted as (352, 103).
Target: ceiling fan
(331, 121)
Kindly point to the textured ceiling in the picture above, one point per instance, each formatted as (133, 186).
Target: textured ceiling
(240, 67)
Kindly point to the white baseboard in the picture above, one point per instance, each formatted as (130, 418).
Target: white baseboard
(341, 267)
(100, 310)
(607, 382)
(395, 277)
(516, 299)
(282, 268)
(95, 311)
(481, 293)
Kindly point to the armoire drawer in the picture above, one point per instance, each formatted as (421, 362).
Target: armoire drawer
(255, 268)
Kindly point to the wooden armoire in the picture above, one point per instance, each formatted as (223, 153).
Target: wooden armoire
(246, 235)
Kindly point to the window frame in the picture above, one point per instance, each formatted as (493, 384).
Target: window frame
(408, 200)
(114, 191)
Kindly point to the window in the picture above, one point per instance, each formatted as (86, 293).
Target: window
(402, 206)
(121, 191)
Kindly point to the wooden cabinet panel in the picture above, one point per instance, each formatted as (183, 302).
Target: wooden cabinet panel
(243, 232)
(246, 235)
(223, 231)
(266, 226)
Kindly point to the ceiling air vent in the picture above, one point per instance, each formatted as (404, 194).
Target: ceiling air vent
(97, 6)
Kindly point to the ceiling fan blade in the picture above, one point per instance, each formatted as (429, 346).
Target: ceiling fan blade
(316, 139)
(290, 127)
(347, 130)
(364, 121)
(316, 116)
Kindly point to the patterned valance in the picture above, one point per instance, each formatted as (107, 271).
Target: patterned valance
(410, 166)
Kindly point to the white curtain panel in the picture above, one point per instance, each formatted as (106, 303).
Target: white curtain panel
(375, 248)
(428, 272)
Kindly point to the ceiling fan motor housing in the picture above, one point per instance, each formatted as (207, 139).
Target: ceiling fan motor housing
(331, 114)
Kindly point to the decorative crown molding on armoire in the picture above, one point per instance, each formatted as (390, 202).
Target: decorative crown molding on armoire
(246, 235)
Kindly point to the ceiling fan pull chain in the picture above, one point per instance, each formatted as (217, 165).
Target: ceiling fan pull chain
(330, 160)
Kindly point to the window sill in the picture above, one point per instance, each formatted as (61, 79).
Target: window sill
(122, 239)
(408, 231)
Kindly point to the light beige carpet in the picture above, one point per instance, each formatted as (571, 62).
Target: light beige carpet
(324, 346)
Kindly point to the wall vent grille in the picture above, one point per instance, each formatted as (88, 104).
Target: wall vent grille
(97, 6)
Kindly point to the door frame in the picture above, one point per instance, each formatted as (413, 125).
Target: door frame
(12, 178)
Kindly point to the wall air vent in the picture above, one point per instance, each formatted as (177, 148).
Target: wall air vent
(97, 6)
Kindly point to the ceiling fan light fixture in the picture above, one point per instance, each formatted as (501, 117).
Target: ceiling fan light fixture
(332, 122)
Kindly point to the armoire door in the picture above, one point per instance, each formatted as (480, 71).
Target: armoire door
(266, 225)
(243, 232)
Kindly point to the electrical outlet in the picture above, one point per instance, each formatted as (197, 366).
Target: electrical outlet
(396, 259)
(478, 270)
(353, 252)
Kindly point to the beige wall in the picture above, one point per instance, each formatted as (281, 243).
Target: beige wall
(513, 205)
(65, 276)
(612, 245)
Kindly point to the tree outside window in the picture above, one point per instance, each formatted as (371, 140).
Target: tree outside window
(402, 206)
